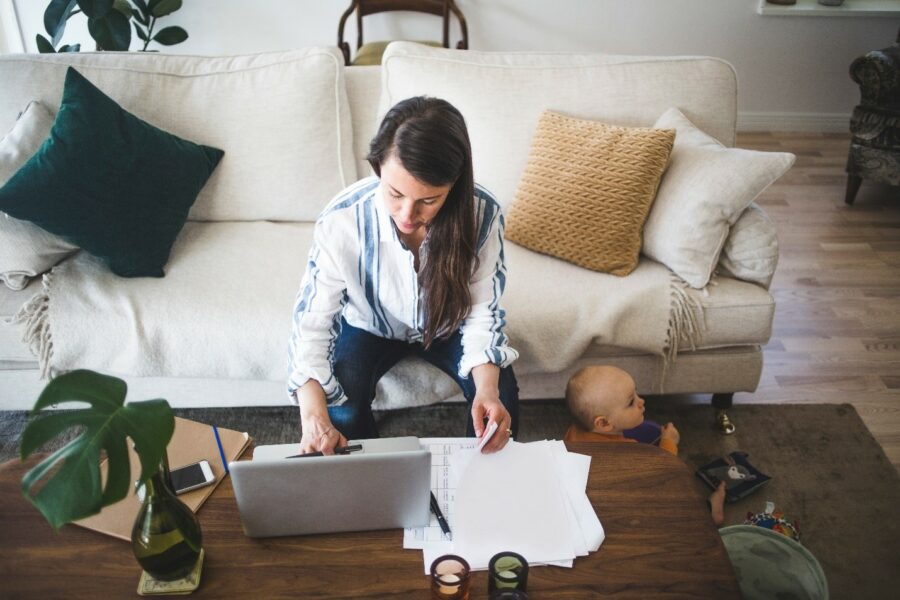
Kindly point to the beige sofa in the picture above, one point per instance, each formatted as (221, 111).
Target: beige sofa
(295, 128)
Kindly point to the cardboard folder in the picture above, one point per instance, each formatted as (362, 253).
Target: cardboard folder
(191, 442)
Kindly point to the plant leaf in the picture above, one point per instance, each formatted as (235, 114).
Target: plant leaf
(112, 32)
(95, 9)
(140, 32)
(55, 17)
(164, 7)
(142, 6)
(139, 17)
(170, 36)
(123, 7)
(73, 491)
(70, 48)
(43, 45)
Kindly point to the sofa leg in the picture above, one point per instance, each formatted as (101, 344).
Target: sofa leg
(853, 183)
(721, 402)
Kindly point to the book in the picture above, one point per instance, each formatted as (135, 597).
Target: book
(191, 442)
(741, 478)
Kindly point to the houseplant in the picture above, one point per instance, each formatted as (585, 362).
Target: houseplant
(110, 23)
(67, 485)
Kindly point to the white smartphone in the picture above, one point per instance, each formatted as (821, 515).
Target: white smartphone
(193, 476)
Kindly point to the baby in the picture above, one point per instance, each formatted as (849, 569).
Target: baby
(605, 405)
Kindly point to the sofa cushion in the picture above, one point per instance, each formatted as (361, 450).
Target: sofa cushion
(501, 96)
(751, 250)
(281, 117)
(586, 191)
(26, 250)
(702, 193)
(109, 182)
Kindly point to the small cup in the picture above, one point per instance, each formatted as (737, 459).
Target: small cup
(507, 571)
(450, 578)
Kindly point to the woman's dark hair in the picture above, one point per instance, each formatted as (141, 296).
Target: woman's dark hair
(429, 138)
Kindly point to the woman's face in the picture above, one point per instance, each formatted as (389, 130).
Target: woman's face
(412, 203)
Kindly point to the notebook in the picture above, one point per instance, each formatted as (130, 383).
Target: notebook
(191, 441)
(385, 485)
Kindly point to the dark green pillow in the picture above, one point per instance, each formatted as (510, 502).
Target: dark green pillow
(109, 182)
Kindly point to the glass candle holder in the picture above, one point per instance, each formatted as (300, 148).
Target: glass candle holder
(450, 578)
(507, 570)
(509, 594)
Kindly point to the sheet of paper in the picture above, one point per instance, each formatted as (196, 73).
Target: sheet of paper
(443, 488)
(511, 500)
(573, 471)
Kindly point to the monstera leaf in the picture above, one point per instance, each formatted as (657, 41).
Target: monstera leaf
(72, 486)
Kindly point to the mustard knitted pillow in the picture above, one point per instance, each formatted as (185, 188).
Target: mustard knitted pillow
(587, 190)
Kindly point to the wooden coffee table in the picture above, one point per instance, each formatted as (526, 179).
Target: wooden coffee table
(660, 543)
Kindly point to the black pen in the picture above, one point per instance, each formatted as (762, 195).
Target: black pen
(342, 450)
(440, 516)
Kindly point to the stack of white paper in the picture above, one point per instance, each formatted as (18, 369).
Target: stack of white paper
(528, 498)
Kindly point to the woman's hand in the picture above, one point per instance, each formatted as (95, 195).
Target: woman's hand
(318, 433)
(487, 405)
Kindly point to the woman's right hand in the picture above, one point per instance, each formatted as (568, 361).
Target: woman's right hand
(320, 436)
(318, 433)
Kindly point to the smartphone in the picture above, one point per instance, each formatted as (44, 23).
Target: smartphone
(191, 477)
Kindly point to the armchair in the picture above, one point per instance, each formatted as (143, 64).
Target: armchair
(875, 124)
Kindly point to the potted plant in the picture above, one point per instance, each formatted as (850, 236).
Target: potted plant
(110, 23)
(67, 485)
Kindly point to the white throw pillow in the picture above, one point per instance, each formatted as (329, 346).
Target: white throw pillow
(751, 250)
(26, 250)
(704, 190)
(502, 95)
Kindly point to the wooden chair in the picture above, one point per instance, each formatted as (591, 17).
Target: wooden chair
(370, 54)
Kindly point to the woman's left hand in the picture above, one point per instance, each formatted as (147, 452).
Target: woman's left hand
(488, 406)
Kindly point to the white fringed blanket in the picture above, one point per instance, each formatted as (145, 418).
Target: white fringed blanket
(224, 311)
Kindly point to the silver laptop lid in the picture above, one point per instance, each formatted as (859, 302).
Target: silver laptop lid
(385, 485)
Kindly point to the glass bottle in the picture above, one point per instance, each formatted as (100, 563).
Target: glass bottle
(166, 537)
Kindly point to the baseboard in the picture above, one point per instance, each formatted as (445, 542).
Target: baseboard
(784, 121)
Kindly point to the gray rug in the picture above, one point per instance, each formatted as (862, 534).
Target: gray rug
(828, 472)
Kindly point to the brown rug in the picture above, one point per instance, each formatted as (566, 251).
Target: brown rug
(828, 472)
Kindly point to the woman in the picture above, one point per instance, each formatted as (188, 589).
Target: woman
(407, 262)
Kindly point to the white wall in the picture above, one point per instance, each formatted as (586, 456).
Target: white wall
(792, 71)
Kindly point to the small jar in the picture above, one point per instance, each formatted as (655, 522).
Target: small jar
(507, 571)
(509, 595)
(450, 578)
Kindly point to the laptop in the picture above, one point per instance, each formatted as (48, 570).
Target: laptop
(384, 485)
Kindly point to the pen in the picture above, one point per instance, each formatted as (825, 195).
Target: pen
(440, 516)
(221, 450)
(342, 450)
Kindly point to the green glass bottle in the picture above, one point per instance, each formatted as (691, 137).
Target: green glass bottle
(166, 537)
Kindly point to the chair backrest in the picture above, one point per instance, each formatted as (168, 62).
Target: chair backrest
(440, 8)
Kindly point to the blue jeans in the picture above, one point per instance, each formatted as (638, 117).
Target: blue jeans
(361, 359)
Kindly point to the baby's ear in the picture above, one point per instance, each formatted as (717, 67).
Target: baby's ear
(602, 425)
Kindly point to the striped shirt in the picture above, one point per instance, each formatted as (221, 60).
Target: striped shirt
(358, 269)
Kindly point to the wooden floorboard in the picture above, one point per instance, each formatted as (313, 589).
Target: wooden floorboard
(836, 335)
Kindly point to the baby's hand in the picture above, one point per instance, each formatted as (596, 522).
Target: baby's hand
(670, 433)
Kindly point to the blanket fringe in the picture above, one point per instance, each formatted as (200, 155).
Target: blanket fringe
(686, 324)
(35, 314)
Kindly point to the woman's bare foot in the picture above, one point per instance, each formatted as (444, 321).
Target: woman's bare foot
(717, 504)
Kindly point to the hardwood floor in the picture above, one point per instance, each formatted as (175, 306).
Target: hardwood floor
(836, 336)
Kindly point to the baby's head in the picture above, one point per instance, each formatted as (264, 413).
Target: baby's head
(603, 400)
